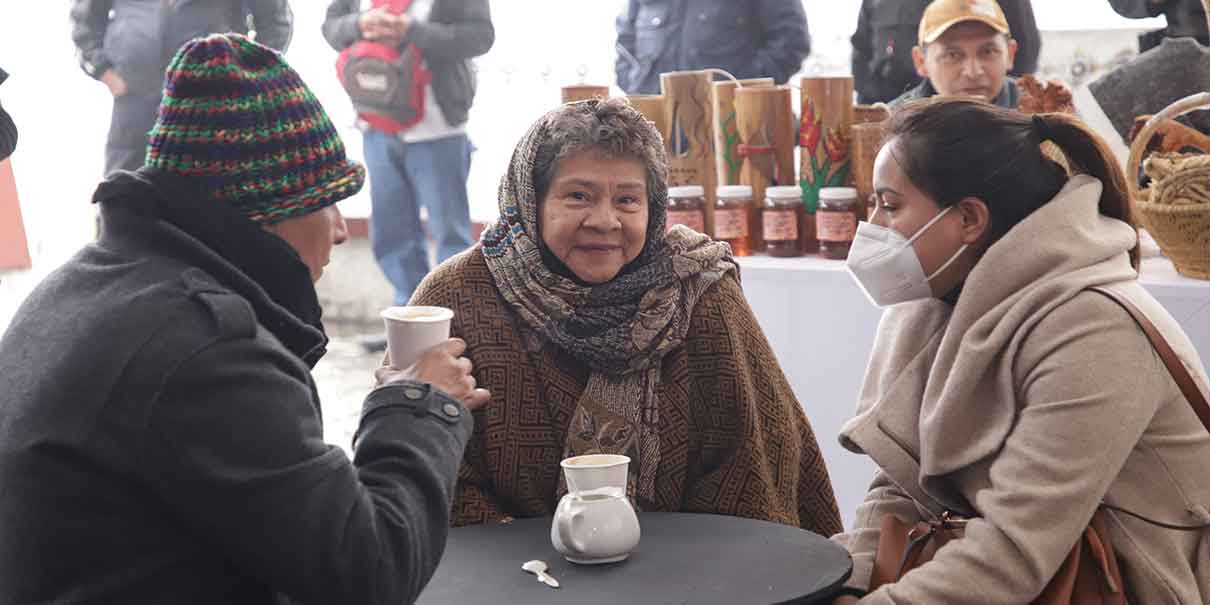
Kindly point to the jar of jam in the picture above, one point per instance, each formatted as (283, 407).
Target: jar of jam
(782, 220)
(836, 221)
(731, 215)
(687, 206)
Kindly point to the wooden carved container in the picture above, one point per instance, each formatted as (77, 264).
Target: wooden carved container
(690, 140)
(765, 119)
(824, 135)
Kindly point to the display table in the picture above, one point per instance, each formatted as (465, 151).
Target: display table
(822, 328)
(681, 558)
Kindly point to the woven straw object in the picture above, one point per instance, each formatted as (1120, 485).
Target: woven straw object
(1176, 208)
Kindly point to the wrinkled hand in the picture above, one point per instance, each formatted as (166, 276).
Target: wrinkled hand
(443, 367)
(115, 83)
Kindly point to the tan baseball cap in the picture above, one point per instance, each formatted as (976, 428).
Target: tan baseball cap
(944, 14)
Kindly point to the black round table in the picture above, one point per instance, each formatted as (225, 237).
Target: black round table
(681, 558)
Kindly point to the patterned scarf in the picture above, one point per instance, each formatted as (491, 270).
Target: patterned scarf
(620, 329)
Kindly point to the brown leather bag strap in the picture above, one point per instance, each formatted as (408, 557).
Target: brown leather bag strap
(1184, 380)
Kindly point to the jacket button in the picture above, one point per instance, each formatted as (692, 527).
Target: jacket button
(413, 393)
(451, 410)
(656, 21)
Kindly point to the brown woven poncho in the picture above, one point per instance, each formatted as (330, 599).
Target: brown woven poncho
(733, 437)
(664, 363)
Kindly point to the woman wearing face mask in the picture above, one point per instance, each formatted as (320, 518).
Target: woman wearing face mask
(1004, 390)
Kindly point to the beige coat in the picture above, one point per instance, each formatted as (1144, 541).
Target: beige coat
(1033, 400)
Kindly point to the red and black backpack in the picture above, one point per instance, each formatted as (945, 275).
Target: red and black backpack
(386, 85)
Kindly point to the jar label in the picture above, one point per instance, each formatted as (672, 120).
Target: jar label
(730, 223)
(693, 219)
(781, 225)
(831, 226)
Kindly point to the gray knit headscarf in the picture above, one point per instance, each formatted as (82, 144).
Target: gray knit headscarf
(620, 329)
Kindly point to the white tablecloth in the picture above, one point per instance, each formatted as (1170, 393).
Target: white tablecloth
(822, 328)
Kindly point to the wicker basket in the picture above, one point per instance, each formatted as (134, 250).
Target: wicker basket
(1181, 231)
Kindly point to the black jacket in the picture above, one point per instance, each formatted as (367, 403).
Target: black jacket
(750, 39)
(160, 434)
(456, 32)
(887, 32)
(1186, 18)
(143, 35)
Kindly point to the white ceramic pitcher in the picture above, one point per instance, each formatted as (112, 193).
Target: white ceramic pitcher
(595, 523)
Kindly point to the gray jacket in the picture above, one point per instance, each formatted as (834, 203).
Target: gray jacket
(141, 36)
(757, 38)
(455, 32)
(160, 431)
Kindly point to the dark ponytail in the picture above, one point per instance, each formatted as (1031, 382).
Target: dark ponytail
(952, 149)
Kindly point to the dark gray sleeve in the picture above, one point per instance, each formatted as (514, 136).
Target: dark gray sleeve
(626, 61)
(470, 36)
(1024, 28)
(234, 447)
(89, 19)
(273, 21)
(1138, 9)
(785, 40)
(861, 55)
(340, 25)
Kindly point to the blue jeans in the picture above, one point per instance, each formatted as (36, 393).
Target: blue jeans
(404, 176)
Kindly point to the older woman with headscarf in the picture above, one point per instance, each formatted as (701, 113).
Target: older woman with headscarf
(597, 332)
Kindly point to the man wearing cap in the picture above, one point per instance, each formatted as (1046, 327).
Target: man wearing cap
(160, 432)
(964, 48)
(887, 32)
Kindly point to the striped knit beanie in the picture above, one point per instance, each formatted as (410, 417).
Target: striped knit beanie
(238, 119)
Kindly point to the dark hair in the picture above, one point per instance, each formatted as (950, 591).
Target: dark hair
(952, 149)
(614, 128)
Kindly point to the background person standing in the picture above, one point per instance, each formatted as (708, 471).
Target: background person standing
(965, 48)
(886, 32)
(126, 44)
(428, 163)
(763, 38)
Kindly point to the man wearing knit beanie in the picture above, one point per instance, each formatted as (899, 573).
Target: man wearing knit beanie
(160, 431)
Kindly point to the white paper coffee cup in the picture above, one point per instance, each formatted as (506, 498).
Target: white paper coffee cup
(412, 331)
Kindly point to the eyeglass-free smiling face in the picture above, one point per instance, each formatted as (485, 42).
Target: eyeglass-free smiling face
(594, 215)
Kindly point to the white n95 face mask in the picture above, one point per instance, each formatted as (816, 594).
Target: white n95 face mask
(886, 267)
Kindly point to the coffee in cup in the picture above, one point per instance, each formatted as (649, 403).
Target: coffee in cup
(412, 331)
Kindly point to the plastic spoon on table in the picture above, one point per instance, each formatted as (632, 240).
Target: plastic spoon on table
(538, 568)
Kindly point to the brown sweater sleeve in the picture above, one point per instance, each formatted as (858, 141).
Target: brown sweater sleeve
(474, 500)
(758, 454)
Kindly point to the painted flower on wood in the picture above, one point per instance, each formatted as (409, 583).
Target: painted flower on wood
(825, 165)
(810, 129)
(837, 147)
